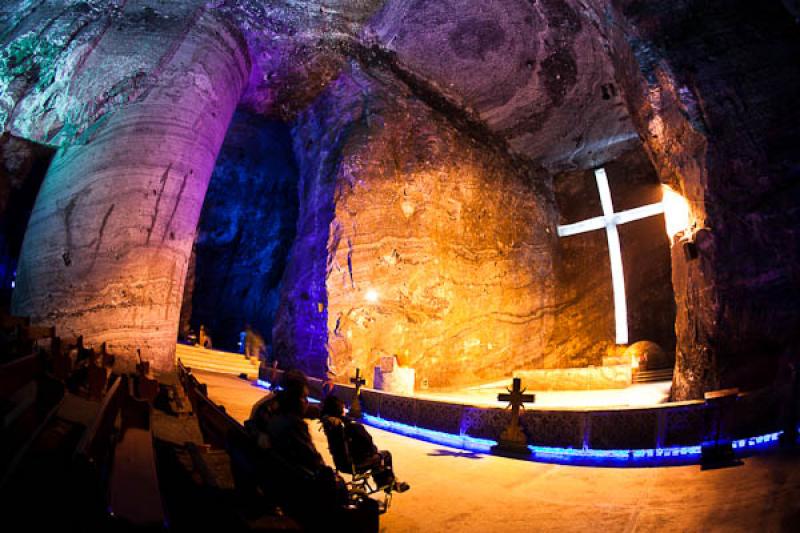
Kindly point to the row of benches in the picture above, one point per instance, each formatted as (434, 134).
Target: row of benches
(115, 460)
(112, 467)
(222, 434)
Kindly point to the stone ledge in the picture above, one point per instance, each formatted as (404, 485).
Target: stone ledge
(686, 423)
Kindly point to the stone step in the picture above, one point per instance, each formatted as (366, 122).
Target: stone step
(650, 376)
(204, 364)
(251, 372)
(216, 361)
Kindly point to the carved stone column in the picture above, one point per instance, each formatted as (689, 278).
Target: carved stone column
(109, 240)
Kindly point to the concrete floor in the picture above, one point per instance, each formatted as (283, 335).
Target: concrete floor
(454, 491)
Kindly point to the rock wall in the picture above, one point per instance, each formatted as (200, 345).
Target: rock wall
(536, 73)
(245, 231)
(712, 87)
(414, 239)
(561, 85)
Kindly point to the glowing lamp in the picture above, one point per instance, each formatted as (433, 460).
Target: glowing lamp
(676, 211)
(371, 296)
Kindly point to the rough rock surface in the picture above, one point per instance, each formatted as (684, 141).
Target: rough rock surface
(708, 87)
(413, 240)
(537, 73)
(108, 242)
(245, 231)
(712, 87)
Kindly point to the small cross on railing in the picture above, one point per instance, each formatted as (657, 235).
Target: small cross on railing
(513, 441)
(355, 406)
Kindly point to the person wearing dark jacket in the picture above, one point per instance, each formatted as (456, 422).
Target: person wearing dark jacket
(307, 488)
(362, 450)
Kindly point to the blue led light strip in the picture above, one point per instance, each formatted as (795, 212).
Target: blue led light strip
(565, 455)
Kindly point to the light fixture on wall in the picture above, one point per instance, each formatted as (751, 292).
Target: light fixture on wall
(371, 296)
(676, 211)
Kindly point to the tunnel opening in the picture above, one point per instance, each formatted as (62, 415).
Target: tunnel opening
(245, 232)
(23, 165)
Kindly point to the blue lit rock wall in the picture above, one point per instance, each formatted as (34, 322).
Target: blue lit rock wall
(22, 167)
(246, 228)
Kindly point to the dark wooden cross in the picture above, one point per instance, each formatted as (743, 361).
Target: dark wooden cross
(355, 406)
(513, 441)
(516, 398)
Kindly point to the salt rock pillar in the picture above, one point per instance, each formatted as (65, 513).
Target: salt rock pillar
(108, 242)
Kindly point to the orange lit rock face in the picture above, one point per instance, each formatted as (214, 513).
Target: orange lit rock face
(439, 250)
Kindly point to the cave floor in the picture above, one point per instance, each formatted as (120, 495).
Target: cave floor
(461, 491)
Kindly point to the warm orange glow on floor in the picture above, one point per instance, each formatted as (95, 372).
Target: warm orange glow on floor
(486, 395)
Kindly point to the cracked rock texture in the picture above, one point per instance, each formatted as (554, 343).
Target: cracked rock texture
(413, 240)
(712, 87)
(107, 245)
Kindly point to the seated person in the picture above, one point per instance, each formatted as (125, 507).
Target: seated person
(363, 452)
(309, 487)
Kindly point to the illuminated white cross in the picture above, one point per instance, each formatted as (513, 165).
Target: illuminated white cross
(610, 220)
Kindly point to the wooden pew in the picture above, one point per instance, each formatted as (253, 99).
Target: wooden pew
(66, 356)
(146, 386)
(28, 401)
(8, 321)
(223, 433)
(133, 493)
(37, 333)
(117, 465)
(12, 345)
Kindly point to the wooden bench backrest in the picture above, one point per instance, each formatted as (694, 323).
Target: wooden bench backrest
(96, 441)
(217, 426)
(10, 321)
(34, 333)
(16, 374)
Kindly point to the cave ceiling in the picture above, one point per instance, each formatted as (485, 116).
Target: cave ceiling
(534, 77)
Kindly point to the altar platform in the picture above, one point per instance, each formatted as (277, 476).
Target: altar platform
(637, 395)
(632, 426)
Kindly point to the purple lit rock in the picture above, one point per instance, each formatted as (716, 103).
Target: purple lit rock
(107, 246)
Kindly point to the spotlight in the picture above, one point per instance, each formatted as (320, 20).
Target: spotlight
(371, 295)
(676, 211)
